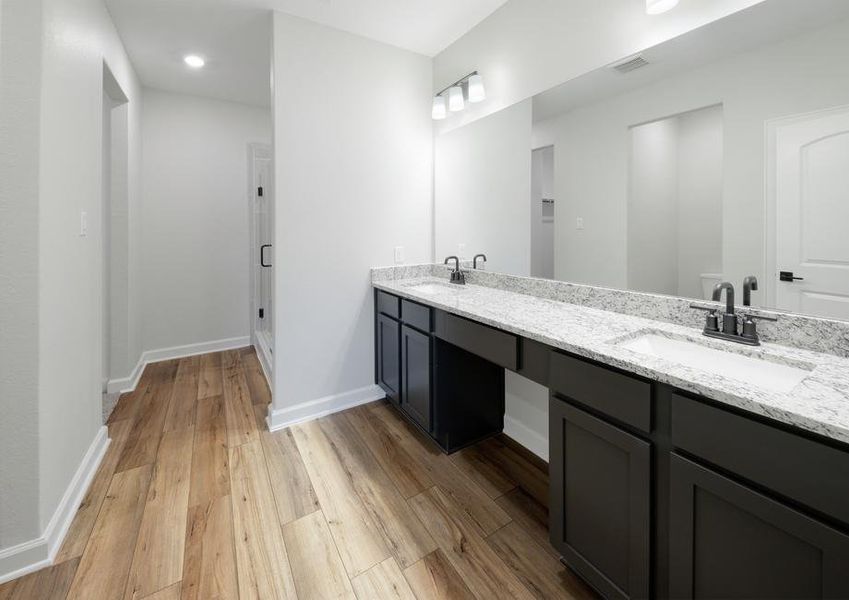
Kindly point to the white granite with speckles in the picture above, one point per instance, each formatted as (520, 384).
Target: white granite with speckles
(799, 331)
(820, 403)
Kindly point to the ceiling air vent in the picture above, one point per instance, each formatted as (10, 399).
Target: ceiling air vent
(632, 63)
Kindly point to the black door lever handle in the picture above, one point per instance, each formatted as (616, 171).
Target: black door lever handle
(788, 276)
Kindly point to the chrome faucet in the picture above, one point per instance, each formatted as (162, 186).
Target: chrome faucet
(457, 275)
(475, 260)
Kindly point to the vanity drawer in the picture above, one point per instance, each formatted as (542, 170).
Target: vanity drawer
(621, 397)
(491, 344)
(416, 315)
(388, 304)
(812, 473)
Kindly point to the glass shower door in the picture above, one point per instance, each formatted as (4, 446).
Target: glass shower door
(263, 238)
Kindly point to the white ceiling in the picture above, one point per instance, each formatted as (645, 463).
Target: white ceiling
(758, 25)
(423, 26)
(235, 36)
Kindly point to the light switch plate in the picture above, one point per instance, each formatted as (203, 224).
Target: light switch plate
(83, 223)
(399, 255)
(579, 223)
(461, 250)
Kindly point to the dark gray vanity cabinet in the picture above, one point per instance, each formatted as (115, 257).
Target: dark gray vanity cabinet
(730, 541)
(658, 493)
(600, 483)
(448, 391)
(388, 355)
(654, 492)
(756, 509)
(416, 376)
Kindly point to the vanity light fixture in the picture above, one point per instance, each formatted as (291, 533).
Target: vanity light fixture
(453, 98)
(194, 61)
(476, 90)
(440, 110)
(656, 7)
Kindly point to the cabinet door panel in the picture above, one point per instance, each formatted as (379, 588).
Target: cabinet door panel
(416, 376)
(728, 541)
(389, 357)
(600, 497)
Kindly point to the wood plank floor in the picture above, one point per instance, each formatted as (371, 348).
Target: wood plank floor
(195, 499)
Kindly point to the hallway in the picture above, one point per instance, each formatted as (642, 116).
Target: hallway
(196, 499)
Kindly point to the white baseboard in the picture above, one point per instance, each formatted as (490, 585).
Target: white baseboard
(527, 437)
(152, 356)
(264, 354)
(128, 384)
(307, 411)
(36, 554)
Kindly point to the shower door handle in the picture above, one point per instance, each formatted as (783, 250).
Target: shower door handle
(262, 255)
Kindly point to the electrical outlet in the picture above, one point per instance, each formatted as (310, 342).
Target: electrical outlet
(83, 223)
(579, 223)
(461, 251)
(399, 255)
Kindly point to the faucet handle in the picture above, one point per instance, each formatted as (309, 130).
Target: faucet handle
(712, 321)
(749, 315)
(750, 328)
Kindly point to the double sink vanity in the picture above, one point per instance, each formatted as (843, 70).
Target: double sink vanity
(695, 449)
(680, 466)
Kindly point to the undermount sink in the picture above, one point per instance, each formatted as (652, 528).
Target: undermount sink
(433, 287)
(752, 370)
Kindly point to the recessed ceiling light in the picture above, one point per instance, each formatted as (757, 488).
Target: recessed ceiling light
(194, 61)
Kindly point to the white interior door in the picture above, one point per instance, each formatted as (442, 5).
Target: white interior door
(811, 187)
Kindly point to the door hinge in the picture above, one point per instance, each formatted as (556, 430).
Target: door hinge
(261, 313)
(259, 191)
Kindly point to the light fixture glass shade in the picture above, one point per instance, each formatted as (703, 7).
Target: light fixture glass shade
(477, 93)
(655, 7)
(455, 99)
(439, 109)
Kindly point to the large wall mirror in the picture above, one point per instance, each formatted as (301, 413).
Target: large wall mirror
(717, 155)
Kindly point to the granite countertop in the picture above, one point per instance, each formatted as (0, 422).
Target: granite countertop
(820, 403)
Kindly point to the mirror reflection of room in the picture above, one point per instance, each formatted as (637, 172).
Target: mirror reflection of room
(710, 157)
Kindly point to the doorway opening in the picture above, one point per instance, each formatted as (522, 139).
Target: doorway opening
(542, 212)
(114, 242)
